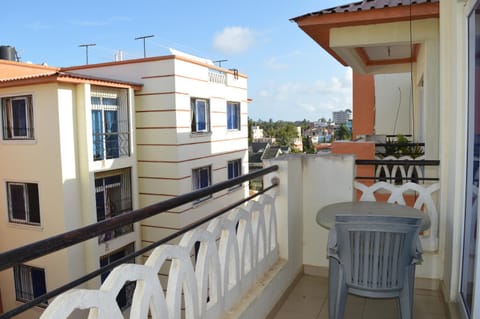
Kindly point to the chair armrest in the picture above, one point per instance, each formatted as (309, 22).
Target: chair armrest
(417, 258)
(332, 247)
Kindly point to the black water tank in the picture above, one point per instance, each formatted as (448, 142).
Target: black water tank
(8, 53)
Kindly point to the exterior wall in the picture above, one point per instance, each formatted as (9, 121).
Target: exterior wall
(86, 176)
(60, 160)
(339, 171)
(167, 149)
(393, 104)
(38, 161)
(361, 150)
(363, 105)
(453, 112)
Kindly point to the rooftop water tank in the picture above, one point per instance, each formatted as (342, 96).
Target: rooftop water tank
(8, 53)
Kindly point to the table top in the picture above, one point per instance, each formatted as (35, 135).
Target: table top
(326, 215)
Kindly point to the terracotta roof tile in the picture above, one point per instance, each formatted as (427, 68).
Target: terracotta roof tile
(366, 5)
(10, 70)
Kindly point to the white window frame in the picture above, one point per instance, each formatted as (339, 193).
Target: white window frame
(194, 115)
(7, 117)
(238, 163)
(236, 108)
(196, 180)
(26, 203)
(122, 133)
(24, 285)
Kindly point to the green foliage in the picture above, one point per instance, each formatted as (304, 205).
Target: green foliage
(343, 133)
(308, 146)
(284, 132)
(401, 146)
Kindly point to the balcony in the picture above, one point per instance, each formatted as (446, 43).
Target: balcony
(263, 257)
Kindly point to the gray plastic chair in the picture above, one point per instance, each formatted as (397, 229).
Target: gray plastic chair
(375, 257)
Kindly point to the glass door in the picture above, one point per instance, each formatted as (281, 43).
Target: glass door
(469, 260)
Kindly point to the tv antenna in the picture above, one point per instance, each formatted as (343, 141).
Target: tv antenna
(143, 38)
(220, 62)
(86, 49)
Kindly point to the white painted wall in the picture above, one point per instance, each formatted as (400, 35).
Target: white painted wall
(393, 104)
(167, 150)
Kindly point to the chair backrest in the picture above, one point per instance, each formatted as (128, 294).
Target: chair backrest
(376, 251)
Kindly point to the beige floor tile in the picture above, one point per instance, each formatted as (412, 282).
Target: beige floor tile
(312, 286)
(309, 300)
(303, 304)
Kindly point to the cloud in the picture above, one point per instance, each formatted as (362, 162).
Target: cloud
(234, 40)
(296, 100)
(38, 26)
(273, 63)
(100, 23)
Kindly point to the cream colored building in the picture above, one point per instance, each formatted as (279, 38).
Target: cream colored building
(78, 148)
(191, 129)
(59, 172)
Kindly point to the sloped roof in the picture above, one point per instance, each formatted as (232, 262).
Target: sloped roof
(366, 5)
(11, 70)
(259, 146)
(373, 13)
(271, 152)
(18, 73)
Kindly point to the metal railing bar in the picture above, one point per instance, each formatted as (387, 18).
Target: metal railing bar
(396, 144)
(44, 298)
(393, 178)
(398, 162)
(67, 239)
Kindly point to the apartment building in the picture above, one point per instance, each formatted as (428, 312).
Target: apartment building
(191, 132)
(68, 160)
(342, 117)
(79, 147)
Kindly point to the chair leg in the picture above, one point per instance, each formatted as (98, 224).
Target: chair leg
(337, 291)
(407, 294)
(333, 269)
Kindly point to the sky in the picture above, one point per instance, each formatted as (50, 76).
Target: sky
(290, 77)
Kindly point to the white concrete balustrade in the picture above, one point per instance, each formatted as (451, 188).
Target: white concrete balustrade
(235, 250)
(247, 258)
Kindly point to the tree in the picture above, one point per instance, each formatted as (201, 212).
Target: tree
(343, 133)
(308, 146)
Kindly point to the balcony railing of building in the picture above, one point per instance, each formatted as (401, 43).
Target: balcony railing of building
(216, 76)
(399, 170)
(216, 261)
(111, 145)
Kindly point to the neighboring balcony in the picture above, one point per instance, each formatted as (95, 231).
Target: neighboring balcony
(111, 143)
(264, 257)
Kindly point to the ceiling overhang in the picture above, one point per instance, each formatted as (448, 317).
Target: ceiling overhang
(370, 39)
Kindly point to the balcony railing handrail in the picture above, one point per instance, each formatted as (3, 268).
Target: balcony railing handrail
(401, 144)
(67, 239)
(398, 162)
(70, 238)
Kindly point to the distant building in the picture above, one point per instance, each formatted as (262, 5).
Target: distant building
(342, 117)
(257, 132)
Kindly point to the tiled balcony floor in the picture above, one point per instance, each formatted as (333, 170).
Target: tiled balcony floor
(308, 300)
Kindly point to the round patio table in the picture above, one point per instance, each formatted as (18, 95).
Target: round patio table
(326, 215)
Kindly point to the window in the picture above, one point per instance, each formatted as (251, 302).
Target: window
(234, 168)
(200, 115)
(124, 298)
(29, 282)
(113, 197)
(201, 178)
(17, 115)
(233, 116)
(23, 203)
(110, 127)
